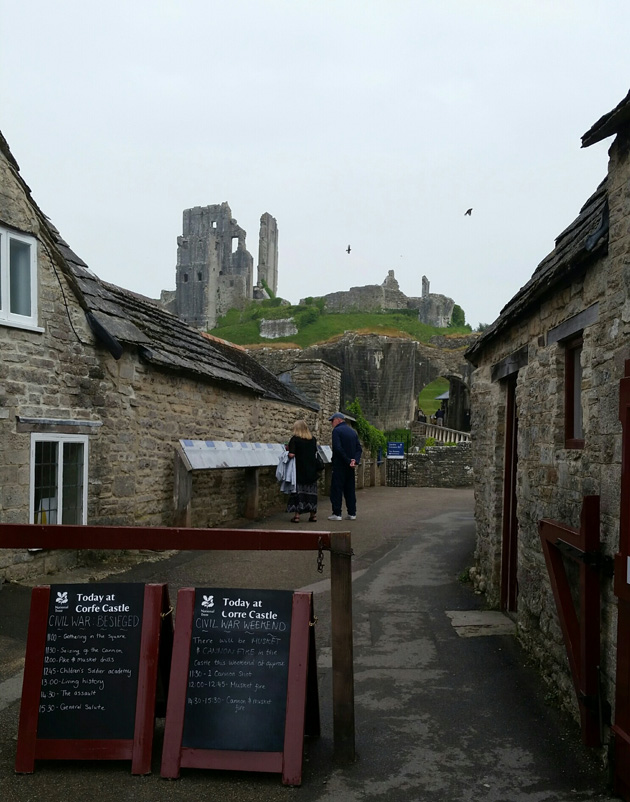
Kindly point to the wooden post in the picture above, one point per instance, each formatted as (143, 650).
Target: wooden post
(342, 648)
(182, 489)
(252, 493)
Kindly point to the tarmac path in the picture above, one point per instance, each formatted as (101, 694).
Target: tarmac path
(440, 716)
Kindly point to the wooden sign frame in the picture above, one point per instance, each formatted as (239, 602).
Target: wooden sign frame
(302, 709)
(155, 645)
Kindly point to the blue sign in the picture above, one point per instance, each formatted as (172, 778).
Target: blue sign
(395, 450)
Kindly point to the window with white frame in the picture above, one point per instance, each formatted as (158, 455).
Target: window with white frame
(59, 479)
(18, 279)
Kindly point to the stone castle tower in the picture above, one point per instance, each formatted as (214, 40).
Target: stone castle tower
(268, 253)
(214, 270)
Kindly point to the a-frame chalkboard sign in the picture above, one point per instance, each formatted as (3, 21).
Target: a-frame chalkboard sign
(243, 690)
(95, 656)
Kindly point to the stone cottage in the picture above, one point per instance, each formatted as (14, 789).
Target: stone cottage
(97, 387)
(547, 398)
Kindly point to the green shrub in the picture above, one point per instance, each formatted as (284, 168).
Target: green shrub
(268, 289)
(306, 316)
(371, 437)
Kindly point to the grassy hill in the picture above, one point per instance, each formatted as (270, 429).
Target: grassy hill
(316, 326)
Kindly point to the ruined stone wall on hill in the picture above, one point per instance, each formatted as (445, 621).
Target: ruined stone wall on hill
(433, 309)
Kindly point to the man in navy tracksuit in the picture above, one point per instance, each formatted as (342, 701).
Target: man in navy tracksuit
(346, 454)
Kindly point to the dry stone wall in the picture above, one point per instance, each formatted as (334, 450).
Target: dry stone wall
(441, 466)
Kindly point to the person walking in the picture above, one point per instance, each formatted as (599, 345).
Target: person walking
(303, 448)
(346, 454)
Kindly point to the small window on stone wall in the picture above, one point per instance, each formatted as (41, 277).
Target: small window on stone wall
(58, 479)
(185, 278)
(199, 276)
(18, 279)
(573, 419)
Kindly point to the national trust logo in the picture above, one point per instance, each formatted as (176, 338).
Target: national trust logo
(207, 605)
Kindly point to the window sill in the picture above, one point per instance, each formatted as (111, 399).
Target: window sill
(574, 443)
(12, 324)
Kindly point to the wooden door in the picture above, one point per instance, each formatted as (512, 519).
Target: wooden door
(509, 546)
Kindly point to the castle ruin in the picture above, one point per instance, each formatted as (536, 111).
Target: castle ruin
(214, 271)
(433, 309)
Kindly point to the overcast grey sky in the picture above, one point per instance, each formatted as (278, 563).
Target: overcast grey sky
(374, 124)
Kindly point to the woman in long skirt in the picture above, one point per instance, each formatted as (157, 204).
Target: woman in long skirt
(303, 447)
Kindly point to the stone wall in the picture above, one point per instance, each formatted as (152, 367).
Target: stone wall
(320, 382)
(433, 309)
(441, 466)
(132, 413)
(552, 478)
(277, 327)
(384, 373)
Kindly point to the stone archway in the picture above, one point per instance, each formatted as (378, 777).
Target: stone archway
(386, 374)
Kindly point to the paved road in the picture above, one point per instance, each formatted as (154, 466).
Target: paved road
(441, 717)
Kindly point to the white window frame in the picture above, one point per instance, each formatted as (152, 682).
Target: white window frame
(8, 318)
(60, 439)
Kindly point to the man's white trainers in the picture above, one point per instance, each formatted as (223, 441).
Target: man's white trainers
(335, 518)
(351, 517)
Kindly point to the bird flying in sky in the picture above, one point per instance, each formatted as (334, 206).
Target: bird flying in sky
(468, 212)
(348, 249)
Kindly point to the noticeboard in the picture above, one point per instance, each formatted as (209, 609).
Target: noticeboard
(91, 673)
(243, 670)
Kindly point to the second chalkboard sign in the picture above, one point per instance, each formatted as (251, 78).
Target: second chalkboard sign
(243, 685)
(238, 670)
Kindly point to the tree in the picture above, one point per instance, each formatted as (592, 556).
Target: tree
(458, 318)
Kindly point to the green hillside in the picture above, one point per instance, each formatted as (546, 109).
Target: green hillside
(427, 398)
(316, 326)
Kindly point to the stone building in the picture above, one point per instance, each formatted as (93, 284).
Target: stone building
(546, 405)
(98, 385)
(215, 270)
(434, 310)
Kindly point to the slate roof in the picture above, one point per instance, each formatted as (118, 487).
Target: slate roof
(120, 318)
(586, 238)
(609, 124)
(581, 242)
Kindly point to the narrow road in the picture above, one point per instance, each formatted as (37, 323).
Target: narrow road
(447, 710)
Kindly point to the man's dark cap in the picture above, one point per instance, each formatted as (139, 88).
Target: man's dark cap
(339, 415)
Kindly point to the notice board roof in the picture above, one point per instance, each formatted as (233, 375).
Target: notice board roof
(208, 454)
